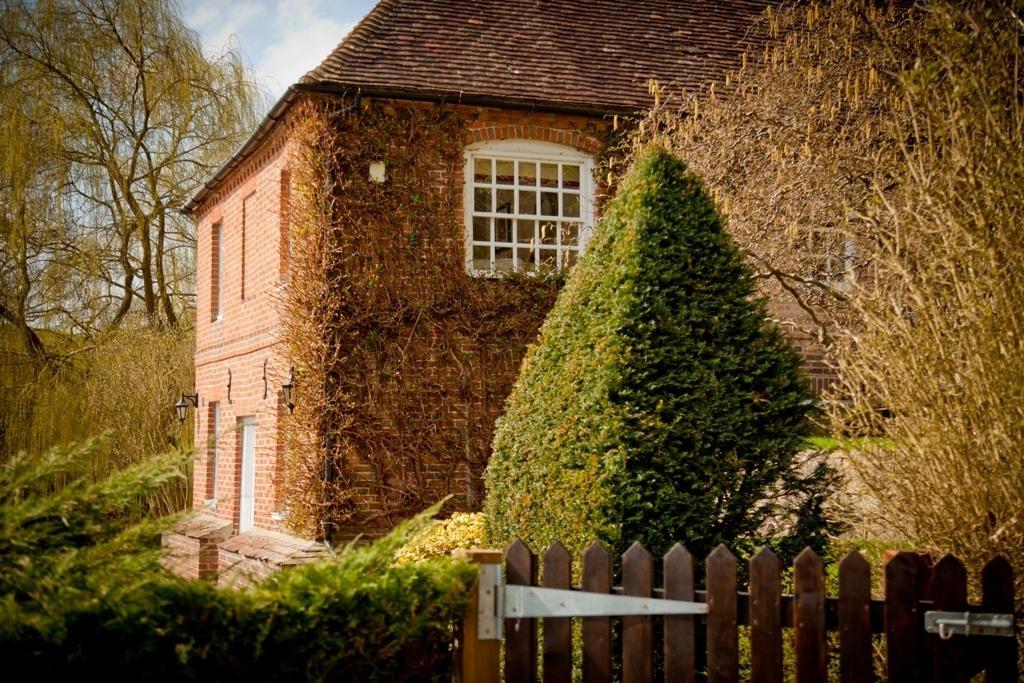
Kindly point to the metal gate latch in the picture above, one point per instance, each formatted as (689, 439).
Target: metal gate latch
(949, 624)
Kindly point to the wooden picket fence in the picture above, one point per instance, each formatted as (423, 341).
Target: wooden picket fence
(706, 647)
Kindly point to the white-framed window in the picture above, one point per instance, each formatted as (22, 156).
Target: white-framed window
(833, 255)
(528, 205)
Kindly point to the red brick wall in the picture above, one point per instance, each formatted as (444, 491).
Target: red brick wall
(251, 210)
(181, 555)
(580, 132)
(190, 549)
(236, 571)
(800, 328)
(242, 346)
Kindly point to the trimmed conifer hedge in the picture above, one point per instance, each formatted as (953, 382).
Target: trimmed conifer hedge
(354, 618)
(82, 595)
(659, 403)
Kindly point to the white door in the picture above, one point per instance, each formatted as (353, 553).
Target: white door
(245, 508)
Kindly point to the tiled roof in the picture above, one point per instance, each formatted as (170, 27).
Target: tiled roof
(594, 56)
(598, 54)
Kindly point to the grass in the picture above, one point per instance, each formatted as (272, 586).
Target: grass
(836, 443)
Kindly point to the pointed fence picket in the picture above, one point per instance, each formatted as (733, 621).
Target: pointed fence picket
(706, 647)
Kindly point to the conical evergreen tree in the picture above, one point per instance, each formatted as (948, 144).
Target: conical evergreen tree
(659, 403)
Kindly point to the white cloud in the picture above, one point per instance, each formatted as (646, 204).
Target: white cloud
(202, 16)
(301, 41)
(221, 24)
(281, 39)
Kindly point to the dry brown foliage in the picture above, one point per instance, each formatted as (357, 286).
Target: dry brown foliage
(404, 360)
(936, 362)
(791, 148)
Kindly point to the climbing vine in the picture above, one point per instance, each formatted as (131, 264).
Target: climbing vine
(404, 359)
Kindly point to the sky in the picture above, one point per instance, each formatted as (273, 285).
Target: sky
(279, 39)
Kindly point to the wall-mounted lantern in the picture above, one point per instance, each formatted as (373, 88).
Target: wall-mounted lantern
(287, 387)
(183, 403)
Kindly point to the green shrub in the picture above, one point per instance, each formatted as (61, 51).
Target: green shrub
(658, 404)
(63, 533)
(460, 531)
(82, 594)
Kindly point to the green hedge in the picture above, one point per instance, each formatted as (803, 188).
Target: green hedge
(658, 404)
(328, 621)
(82, 594)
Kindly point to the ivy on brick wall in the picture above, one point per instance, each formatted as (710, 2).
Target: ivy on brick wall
(404, 360)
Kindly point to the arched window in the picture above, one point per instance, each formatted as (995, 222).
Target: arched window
(528, 206)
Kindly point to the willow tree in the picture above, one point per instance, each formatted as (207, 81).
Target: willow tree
(28, 207)
(112, 115)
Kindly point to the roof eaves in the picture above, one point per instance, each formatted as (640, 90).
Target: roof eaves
(280, 108)
(364, 90)
(275, 114)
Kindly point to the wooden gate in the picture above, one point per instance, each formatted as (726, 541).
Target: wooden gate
(923, 630)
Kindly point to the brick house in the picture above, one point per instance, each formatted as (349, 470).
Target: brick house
(532, 93)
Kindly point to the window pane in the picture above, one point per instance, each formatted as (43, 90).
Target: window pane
(527, 202)
(481, 229)
(570, 205)
(549, 203)
(481, 258)
(526, 231)
(521, 191)
(503, 259)
(502, 229)
(526, 259)
(548, 259)
(482, 199)
(548, 233)
(570, 233)
(504, 173)
(505, 199)
(549, 175)
(527, 173)
(482, 170)
(571, 176)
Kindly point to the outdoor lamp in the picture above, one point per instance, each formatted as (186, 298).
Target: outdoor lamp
(286, 389)
(183, 403)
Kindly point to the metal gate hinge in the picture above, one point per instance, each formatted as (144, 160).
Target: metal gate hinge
(489, 608)
(949, 624)
(497, 602)
(534, 601)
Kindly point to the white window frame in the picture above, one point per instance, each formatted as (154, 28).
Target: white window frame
(526, 150)
(247, 480)
(842, 279)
